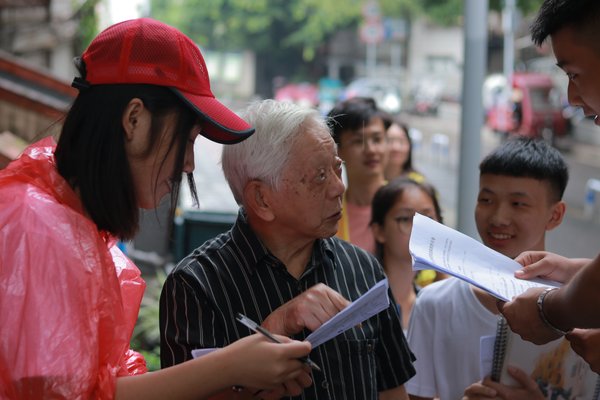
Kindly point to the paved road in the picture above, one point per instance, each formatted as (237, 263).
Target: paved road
(578, 236)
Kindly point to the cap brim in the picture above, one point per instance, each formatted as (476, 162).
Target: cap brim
(224, 126)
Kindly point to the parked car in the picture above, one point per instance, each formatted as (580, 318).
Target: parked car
(304, 94)
(426, 97)
(532, 107)
(386, 92)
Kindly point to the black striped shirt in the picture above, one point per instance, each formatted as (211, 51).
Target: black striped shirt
(235, 272)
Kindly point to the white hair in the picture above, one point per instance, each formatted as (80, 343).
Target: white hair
(263, 155)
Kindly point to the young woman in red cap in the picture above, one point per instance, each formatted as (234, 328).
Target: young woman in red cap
(68, 297)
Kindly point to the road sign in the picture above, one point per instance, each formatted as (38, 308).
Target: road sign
(372, 32)
(371, 10)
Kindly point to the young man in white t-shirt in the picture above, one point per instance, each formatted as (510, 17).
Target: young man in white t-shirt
(521, 186)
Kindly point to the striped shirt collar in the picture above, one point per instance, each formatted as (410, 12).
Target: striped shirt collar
(256, 253)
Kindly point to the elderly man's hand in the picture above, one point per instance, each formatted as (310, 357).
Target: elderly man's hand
(524, 318)
(310, 309)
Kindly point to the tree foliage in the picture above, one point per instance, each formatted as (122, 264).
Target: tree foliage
(450, 12)
(88, 24)
(302, 25)
(263, 25)
(288, 36)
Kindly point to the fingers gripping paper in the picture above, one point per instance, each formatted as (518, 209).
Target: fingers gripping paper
(436, 246)
(363, 308)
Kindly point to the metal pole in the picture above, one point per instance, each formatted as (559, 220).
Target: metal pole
(508, 16)
(472, 113)
(371, 58)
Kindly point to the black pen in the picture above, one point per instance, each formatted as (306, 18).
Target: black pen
(259, 329)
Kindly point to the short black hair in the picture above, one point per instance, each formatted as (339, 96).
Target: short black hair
(91, 156)
(557, 14)
(354, 114)
(524, 157)
(387, 195)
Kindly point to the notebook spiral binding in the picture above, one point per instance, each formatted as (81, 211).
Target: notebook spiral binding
(499, 348)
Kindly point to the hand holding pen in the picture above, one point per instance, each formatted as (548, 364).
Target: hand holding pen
(259, 329)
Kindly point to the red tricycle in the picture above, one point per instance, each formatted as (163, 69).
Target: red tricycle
(532, 108)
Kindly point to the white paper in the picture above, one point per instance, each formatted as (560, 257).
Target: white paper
(196, 353)
(439, 247)
(486, 355)
(372, 302)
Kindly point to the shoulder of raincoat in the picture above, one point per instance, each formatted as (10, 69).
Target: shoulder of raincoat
(69, 298)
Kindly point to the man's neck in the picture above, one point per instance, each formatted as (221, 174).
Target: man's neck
(361, 193)
(401, 277)
(294, 253)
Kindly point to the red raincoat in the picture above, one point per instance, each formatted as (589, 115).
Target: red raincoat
(69, 298)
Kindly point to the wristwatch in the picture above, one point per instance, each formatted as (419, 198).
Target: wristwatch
(540, 306)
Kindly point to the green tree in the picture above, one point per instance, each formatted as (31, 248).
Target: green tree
(88, 24)
(450, 12)
(287, 36)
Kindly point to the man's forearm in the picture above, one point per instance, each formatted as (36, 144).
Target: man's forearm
(576, 304)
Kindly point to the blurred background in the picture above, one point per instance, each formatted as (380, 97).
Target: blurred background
(411, 56)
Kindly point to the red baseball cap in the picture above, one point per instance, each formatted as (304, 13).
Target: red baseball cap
(147, 51)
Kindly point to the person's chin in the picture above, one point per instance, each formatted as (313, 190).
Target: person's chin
(154, 203)
(330, 227)
(500, 245)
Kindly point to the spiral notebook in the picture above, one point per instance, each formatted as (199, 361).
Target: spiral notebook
(559, 371)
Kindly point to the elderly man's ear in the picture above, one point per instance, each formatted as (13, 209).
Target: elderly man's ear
(258, 200)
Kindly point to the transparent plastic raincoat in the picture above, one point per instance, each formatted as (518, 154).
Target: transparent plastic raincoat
(69, 298)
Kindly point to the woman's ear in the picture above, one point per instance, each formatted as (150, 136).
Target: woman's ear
(136, 122)
(557, 215)
(257, 199)
(378, 232)
(132, 117)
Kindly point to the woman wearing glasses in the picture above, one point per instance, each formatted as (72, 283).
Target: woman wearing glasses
(393, 208)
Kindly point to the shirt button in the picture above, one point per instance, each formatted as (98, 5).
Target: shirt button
(325, 385)
(369, 348)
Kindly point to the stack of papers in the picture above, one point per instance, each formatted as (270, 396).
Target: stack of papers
(441, 248)
(372, 302)
(369, 304)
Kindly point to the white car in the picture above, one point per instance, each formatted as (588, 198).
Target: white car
(386, 92)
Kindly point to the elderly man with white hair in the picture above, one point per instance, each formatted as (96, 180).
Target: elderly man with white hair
(281, 265)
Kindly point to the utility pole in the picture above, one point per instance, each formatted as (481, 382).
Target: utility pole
(508, 18)
(472, 112)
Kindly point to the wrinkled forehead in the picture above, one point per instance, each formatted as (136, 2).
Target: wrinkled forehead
(313, 145)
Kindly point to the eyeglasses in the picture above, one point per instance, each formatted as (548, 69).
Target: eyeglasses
(405, 222)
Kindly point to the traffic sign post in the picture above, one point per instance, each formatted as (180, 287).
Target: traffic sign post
(371, 32)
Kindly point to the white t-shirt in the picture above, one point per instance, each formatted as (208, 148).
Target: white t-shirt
(445, 325)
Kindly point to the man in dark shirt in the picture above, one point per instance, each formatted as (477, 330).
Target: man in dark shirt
(281, 266)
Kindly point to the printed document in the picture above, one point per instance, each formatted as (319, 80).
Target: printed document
(441, 248)
(369, 304)
(372, 302)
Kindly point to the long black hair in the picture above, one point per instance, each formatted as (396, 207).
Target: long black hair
(91, 155)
